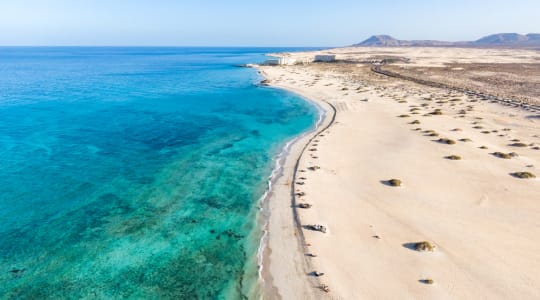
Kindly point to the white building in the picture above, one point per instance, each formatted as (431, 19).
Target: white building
(325, 58)
(280, 61)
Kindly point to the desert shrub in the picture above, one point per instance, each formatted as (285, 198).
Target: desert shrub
(424, 246)
(523, 175)
(453, 157)
(394, 182)
(501, 155)
(446, 141)
(465, 140)
(518, 145)
(504, 155)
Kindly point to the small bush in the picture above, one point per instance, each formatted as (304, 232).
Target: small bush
(518, 145)
(394, 182)
(427, 281)
(415, 122)
(424, 246)
(524, 175)
(446, 141)
(453, 157)
(465, 140)
(504, 155)
(403, 116)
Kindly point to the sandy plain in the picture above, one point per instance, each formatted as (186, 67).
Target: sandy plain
(456, 191)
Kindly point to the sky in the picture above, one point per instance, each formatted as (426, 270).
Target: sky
(256, 23)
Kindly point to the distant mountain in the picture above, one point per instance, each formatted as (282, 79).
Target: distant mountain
(534, 37)
(388, 41)
(495, 40)
(380, 40)
(502, 38)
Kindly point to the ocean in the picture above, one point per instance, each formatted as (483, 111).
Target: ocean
(129, 172)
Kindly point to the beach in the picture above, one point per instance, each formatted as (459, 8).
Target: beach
(125, 178)
(459, 157)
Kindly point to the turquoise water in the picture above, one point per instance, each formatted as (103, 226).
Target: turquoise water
(136, 172)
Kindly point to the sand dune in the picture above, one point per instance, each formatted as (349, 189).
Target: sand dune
(483, 221)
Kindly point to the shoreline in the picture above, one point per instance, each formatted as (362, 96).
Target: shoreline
(291, 156)
(387, 128)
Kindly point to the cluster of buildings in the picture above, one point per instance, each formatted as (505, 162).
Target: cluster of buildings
(287, 61)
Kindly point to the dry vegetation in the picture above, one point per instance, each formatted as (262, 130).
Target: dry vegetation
(424, 246)
(511, 80)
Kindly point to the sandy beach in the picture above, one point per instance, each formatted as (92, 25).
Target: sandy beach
(458, 157)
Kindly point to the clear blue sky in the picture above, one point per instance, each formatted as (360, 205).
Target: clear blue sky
(256, 23)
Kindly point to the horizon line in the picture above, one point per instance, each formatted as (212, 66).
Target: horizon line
(170, 46)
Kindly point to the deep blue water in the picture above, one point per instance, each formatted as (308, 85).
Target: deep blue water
(135, 172)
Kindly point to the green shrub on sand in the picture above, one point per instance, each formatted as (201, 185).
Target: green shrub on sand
(394, 182)
(446, 141)
(524, 175)
(424, 246)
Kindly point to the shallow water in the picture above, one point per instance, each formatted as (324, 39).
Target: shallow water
(135, 172)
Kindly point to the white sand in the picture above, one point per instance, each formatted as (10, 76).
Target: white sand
(484, 222)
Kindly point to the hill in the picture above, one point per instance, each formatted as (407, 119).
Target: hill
(495, 40)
